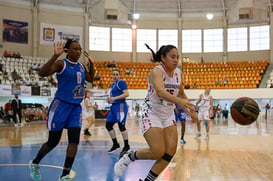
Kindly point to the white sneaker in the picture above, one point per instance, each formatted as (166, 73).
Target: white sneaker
(15, 124)
(207, 137)
(197, 135)
(64, 178)
(122, 164)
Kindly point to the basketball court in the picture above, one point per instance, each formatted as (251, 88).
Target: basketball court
(234, 152)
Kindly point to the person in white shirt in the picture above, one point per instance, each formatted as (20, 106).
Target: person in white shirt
(205, 111)
(88, 113)
(158, 125)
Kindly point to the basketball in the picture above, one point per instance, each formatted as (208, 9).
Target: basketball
(244, 111)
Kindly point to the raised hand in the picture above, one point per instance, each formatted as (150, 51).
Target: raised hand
(86, 54)
(59, 48)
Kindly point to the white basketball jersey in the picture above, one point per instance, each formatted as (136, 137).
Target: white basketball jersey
(89, 103)
(204, 103)
(153, 103)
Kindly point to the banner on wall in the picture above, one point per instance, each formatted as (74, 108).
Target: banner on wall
(15, 89)
(45, 91)
(15, 31)
(5, 89)
(50, 33)
(98, 93)
(26, 91)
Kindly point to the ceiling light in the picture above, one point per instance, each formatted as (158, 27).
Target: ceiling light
(136, 16)
(209, 16)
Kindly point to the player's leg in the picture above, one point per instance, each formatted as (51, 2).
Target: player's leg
(183, 129)
(122, 128)
(198, 124)
(207, 124)
(170, 137)
(72, 148)
(55, 132)
(90, 122)
(73, 126)
(110, 121)
(53, 140)
(155, 139)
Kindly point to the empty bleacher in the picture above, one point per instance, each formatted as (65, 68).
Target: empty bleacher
(241, 74)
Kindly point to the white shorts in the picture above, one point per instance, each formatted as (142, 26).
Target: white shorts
(152, 121)
(203, 115)
(87, 114)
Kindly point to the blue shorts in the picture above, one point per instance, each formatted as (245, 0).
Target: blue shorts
(181, 116)
(118, 113)
(63, 115)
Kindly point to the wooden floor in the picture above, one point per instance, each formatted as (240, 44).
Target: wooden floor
(233, 153)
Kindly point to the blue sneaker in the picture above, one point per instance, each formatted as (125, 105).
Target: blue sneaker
(182, 141)
(35, 171)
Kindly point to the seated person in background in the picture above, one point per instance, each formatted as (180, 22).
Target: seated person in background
(14, 55)
(127, 71)
(217, 82)
(194, 86)
(6, 54)
(14, 74)
(18, 55)
(225, 81)
(187, 86)
(34, 67)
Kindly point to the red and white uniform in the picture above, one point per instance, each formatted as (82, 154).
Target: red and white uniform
(204, 107)
(157, 112)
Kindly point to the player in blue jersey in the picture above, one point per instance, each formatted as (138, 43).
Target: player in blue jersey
(65, 109)
(118, 112)
(180, 116)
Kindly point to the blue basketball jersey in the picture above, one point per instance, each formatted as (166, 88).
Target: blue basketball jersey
(71, 80)
(116, 90)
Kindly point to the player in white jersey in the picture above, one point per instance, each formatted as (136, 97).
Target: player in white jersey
(88, 112)
(158, 120)
(205, 108)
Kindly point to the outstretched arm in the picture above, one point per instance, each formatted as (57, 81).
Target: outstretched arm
(52, 65)
(90, 72)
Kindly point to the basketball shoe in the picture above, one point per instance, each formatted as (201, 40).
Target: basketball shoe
(114, 148)
(65, 178)
(35, 171)
(198, 135)
(122, 164)
(207, 137)
(124, 150)
(182, 141)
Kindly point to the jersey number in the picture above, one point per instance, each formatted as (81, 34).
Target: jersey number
(79, 77)
(170, 91)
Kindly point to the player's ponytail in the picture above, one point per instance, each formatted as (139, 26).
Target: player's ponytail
(163, 50)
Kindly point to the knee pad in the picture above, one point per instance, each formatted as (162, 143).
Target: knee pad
(121, 127)
(54, 138)
(206, 123)
(197, 123)
(74, 135)
(167, 157)
(109, 126)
